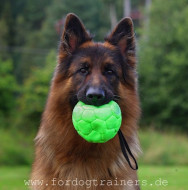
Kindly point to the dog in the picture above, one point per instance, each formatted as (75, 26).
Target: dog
(94, 73)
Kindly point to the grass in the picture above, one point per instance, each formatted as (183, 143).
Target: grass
(163, 148)
(156, 176)
(12, 178)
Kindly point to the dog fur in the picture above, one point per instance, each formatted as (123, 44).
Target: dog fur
(60, 153)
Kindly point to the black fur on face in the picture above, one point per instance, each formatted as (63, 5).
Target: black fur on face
(95, 67)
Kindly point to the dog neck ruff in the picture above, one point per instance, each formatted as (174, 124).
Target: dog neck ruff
(99, 124)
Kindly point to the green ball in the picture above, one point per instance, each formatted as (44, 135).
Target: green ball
(97, 124)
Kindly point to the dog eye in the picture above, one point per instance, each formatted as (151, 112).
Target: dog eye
(109, 72)
(84, 70)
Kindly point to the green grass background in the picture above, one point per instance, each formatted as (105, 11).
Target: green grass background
(165, 157)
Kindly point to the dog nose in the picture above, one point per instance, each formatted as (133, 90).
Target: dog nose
(95, 96)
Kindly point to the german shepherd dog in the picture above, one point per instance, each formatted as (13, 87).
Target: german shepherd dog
(94, 73)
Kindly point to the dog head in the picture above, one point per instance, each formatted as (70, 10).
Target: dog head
(96, 70)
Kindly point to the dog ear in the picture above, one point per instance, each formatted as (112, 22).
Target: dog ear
(74, 34)
(123, 37)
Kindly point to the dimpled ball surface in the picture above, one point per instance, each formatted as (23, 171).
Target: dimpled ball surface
(97, 124)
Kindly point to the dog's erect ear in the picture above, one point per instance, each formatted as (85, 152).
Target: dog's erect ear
(123, 37)
(74, 34)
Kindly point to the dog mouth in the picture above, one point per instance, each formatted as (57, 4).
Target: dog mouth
(95, 101)
(76, 98)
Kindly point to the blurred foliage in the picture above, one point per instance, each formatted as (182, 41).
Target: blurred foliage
(8, 88)
(34, 95)
(163, 66)
(16, 148)
(20, 22)
(96, 19)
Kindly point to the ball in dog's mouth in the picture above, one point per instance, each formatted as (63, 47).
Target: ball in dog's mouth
(97, 124)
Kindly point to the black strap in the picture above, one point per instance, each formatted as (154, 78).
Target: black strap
(124, 147)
